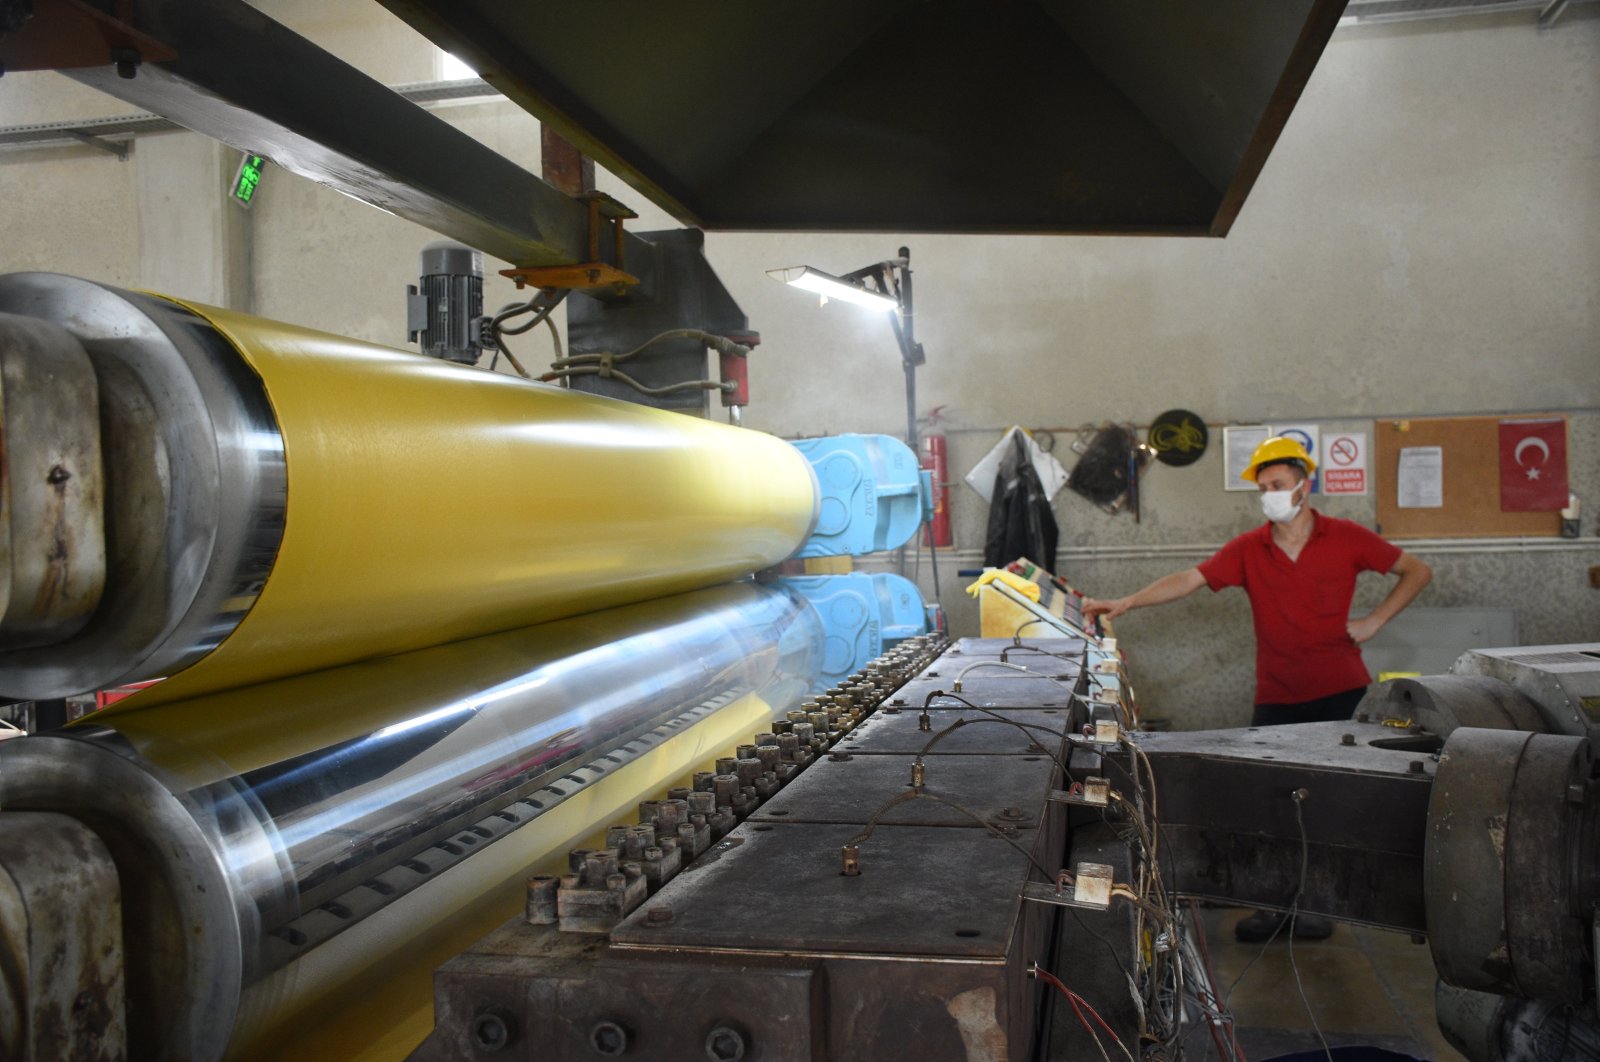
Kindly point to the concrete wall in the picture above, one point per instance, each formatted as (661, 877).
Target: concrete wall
(1425, 239)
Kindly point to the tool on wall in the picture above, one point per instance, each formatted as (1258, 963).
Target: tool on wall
(1108, 468)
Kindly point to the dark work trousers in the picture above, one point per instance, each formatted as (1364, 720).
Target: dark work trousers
(1327, 709)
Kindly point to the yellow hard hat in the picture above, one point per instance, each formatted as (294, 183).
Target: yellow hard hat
(1277, 448)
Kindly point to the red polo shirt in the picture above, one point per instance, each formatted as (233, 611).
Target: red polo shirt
(1300, 607)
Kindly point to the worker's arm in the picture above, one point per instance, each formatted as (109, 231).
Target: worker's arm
(1414, 574)
(1165, 589)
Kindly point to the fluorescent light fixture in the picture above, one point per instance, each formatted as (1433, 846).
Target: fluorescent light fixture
(832, 287)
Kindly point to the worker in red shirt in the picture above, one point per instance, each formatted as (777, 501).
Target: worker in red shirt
(1299, 570)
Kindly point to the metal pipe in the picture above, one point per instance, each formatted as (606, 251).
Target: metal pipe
(255, 829)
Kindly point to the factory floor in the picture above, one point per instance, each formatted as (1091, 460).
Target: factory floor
(1365, 986)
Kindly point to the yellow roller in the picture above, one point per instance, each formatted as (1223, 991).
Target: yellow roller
(428, 502)
(280, 500)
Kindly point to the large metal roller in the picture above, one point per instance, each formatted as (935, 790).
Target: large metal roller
(278, 500)
(279, 843)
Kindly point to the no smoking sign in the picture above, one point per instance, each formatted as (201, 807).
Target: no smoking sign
(1345, 468)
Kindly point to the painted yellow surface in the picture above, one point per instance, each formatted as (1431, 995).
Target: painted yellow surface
(1000, 617)
(429, 502)
(829, 565)
(1026, 587)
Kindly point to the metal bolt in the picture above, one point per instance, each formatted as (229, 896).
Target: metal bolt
(608, 1038)
(918, 774)
(660, 915)
(493, 1030)
(1012, 814)
(1415, 766)
(924, 722)
(724, 1044)
(1347, 739)
(1575, 794)
(540, 909)
(850, 860)
(839, 757)
(1363, 717)
(127, 60)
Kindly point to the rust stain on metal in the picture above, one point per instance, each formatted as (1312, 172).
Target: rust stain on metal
(981, 1032)
(1497, 836)
(563, 165)
(58, 559)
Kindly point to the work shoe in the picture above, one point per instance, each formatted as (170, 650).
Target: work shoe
(1258, 927)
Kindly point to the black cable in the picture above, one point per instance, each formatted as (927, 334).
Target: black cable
(959, 723)
(556, 299)
(1171, 883)
(927, 702)
(1016, 635)
(496, 330)
(933, 562)
(1282, 922)
(1024, 727)
(919, 794)
(1034, 649)
(1294, 914)
(722, 344)
(618, 374)
(517, 309)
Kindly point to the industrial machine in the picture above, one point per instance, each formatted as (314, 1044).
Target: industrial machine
(340, 723)
(966, 873)
(440, 646)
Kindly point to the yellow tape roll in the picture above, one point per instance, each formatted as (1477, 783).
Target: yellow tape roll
(429, 502)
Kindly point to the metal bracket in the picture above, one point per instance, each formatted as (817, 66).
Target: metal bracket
(1091, 793)
(1044, 892)
(593, 275)
(119, 150)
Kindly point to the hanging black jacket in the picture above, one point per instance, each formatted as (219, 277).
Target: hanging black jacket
(1021, 523)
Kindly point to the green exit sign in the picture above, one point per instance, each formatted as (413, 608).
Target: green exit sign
(248, 178)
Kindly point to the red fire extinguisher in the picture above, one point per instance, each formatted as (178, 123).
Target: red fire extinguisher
(934, 460)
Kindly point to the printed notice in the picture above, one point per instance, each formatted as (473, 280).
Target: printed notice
(1238, 443)
(1421, 478)
(1344, 470)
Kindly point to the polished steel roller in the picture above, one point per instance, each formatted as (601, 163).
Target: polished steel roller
(266, 836)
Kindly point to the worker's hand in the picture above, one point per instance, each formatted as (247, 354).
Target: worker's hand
(1362, 629)
(1093, 607)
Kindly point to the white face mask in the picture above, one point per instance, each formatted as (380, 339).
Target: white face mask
(1280, 506)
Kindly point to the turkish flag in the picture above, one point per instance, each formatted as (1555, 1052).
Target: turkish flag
(1533, 465)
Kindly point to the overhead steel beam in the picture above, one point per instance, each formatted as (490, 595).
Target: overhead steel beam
(53, 134)
(248, 81)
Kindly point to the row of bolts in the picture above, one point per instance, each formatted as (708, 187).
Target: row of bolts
(689, 819)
